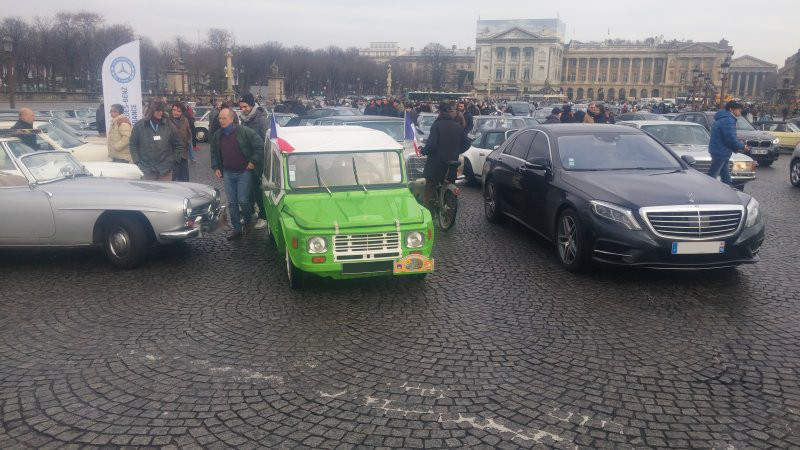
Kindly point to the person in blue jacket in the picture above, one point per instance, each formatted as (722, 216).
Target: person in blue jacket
(724, 141)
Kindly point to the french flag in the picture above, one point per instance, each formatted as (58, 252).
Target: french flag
(410, 134)
(274, 135)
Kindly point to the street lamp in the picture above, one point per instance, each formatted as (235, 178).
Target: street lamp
(695, 76)
(8, 49)
(725, 68)
(358, 87)
(308, 83)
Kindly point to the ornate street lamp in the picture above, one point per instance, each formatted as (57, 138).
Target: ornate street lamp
(308, 83)
(8, 49)
(725, 68)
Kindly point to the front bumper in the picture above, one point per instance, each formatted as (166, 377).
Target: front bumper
(614, 244)
(772, 154)
(204, 223)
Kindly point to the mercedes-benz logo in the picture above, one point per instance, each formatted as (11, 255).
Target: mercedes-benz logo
(122, 69)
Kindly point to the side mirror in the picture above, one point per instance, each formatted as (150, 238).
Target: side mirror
(495, 147)
(538, 164)
(689, 159)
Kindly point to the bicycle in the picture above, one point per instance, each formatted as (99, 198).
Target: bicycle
(444, 204)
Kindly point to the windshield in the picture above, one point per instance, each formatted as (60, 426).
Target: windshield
(283, 119)
(338, 170)
(63, 139)
(679, 134)
(47, 166)
(542, 113)
(60, 114)
(395, 129)
(426, 121)
(498, 122)
(84, 114)
(743, 124)
(64, 126)
(612, 151)
(792, 127)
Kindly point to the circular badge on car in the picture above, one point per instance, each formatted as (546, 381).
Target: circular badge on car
(122, 69)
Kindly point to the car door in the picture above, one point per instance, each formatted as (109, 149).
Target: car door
(536, 182)
(273, 169)
(490, 142)
(510, 165)
(32, 221)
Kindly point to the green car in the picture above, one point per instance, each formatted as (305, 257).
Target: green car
(338, 205)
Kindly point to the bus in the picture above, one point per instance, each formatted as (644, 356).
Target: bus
(437, 96)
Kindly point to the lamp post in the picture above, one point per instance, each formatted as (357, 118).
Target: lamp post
(8, 49)
(358, 87)
(725, 68)
(308, 83)
(695, 76)
(707, 82)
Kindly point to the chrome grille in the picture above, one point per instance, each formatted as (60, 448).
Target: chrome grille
(703, 166)
(364, 247)
(694, 223)
(754, 143)
(415, 164)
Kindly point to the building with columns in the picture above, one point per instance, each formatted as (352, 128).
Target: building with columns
(788, 82)
(751, 78)
(625, 70)
(515, 57)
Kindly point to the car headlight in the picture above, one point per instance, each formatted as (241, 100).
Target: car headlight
(317, 244)
(752, 213)
(776, 141)
(615, 213)
(187, 208)
(415, 239)
(744, 166)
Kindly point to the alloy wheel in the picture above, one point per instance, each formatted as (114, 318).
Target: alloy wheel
(567, 240)
(490, 202)
(794, 173)
(119, 243)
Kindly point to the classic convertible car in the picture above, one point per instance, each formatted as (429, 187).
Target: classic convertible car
(51, 200)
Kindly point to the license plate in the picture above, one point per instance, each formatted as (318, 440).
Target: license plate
(413, 264)
(697, 248)
(758, 151)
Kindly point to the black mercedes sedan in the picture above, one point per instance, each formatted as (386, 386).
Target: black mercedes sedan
(613, 194)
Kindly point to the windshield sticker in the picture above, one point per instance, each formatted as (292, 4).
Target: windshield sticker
(397, 177)
(292, 171)
(571, 162)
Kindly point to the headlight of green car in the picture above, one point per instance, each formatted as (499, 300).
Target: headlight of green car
(317, 244)
(415, 239)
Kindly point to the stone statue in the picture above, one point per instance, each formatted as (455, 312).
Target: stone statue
(273, 70)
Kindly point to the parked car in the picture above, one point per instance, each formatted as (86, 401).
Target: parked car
(687, 138)
(794, 167)
(639, 115)
(57, 203)
(532, 121)
(788, 134)
(80, 119)
(319, 113)
(614, 194)
(542, 113)
(394, 127)
(424, 123)
(519, 108)
(483, 123)
(484, 143)
(338, 205)
(763, 145)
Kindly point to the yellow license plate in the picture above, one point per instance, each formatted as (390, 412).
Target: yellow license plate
(413, 264)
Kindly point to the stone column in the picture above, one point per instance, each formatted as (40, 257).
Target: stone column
(608, 70)
(734, 80)
(758, 91)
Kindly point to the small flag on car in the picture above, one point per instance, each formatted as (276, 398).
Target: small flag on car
(410, 134)
(274, 135)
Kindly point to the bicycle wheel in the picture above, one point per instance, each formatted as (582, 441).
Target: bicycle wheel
(446, 213)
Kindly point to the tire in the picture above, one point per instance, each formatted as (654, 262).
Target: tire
(794, 172)
(294, 274)
(446, 213)
(469, 174)
(201, 134)
(491, 206)
(766, 163)
(570, 241)
(125, 242)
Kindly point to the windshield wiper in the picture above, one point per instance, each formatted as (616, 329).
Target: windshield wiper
(667, 172)
(355, 173)
(319, 178)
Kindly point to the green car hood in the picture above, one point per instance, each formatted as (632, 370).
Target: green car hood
(354, 209)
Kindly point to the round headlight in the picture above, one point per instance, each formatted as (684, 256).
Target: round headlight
(187, 208)
(776, 141)
(317, 245)
(414, 239)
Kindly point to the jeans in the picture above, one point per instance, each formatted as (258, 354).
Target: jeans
(719, 168)
(237, 188)
(192, 157)
(181, 171)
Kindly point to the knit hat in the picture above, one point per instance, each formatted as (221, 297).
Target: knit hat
(248, 98)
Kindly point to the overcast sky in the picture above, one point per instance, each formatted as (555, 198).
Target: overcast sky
(767, 29)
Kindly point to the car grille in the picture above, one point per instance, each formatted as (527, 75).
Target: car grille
(694, 223)
(364, 247)
(415, 165)
(753, 143)
(703, 166)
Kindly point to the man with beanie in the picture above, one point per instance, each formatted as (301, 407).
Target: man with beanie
(566, 114)
(554, 117)
(255, 118)
(724, 142)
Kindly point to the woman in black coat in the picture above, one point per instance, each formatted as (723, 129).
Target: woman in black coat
(446, 141)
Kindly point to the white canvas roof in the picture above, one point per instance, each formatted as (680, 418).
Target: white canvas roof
(336, 139)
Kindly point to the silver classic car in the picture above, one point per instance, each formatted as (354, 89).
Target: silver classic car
(49, 199)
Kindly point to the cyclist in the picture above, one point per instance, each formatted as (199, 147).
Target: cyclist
(446, 140)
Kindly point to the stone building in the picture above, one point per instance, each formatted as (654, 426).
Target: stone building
(619, 70)
(751, 78)
(381, 52)
(788, 80)
(456, 69)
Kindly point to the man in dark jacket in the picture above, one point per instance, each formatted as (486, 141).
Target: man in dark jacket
(468, 123)
(566, 114)
(255, 118)
(235, 153)
(724, 142)
(25, 122)
(155, 144)
(446, 141)
(554, 117)
(100, 119)
(371, 109)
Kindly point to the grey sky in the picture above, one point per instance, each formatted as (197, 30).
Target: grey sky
(766, 29)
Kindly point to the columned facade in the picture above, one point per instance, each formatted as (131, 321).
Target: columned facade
(751, 78)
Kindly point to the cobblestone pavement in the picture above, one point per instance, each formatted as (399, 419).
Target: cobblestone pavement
(206, 346)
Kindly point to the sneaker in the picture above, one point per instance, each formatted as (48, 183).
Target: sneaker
(260, 224)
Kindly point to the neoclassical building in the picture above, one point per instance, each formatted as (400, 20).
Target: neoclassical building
(751, 78)
(514, 57)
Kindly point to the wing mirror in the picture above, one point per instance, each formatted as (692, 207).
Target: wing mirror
(689, 159)
(495, 147)
(538, 164)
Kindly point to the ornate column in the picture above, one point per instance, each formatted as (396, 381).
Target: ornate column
(229, 94)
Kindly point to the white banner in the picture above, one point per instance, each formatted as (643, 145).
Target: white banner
(122, 81)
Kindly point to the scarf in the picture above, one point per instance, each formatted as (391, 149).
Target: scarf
(229, 129)
(253, 112)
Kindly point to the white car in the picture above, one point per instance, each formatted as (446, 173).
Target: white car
(485, 142)
(94, 156)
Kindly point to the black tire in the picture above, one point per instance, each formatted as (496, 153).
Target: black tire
(766, 163)
(295, 275)
(491, 206)
(570, 241)
(469, 174)
(447, 211)
(794, 172)
(125, 242)
(201, 134)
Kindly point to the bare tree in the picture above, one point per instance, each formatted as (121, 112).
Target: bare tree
(435, 64)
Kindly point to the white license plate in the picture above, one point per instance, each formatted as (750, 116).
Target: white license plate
(758, 151)
(697, 248)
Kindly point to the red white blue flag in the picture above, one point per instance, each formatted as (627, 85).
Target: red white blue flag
(274, 135)
(410, 134)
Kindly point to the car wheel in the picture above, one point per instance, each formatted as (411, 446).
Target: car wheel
(765, 162)
(794, 172)
(469, 174)
(125, 242)
(448, 209)
(294, 274)
(201, 134)
(491, 205)
(569, 238)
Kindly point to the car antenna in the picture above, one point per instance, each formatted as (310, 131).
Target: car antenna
(319, 178)
(355, 173)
